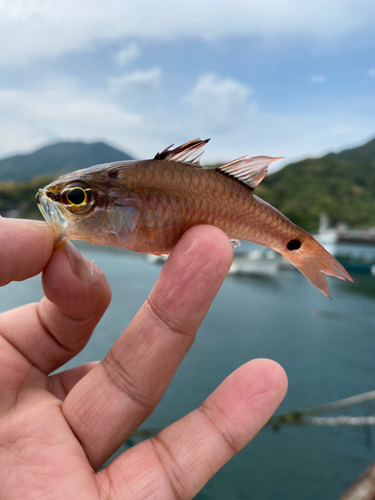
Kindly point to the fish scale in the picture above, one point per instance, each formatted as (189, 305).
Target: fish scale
(146, 206)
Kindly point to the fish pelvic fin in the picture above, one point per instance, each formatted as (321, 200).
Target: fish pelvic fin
(313, 261)
(189, 152)
(249, 171)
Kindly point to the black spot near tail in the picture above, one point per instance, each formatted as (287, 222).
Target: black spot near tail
(294, 245)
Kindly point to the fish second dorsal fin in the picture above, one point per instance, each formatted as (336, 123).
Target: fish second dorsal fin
(250, 171)
(187, 153)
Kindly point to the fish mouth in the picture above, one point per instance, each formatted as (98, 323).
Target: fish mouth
(49, 210)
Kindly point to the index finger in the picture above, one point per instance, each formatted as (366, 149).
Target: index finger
(108, 404)
(25, 248)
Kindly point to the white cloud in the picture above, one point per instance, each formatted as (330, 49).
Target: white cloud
(139, 84)
(371, 72)
(29, 119)
(317, 79)
(64, 110)
(128, 54)
(221, 103)
(41, 28)
(59, 105)
(294, 137)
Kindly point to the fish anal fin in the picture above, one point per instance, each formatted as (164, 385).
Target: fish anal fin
(250, 171)
(189, 152)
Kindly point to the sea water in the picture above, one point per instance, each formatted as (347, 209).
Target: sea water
(326, 347)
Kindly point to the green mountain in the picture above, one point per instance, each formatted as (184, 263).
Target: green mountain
(23, 175)
(56, 159)
(341, 185)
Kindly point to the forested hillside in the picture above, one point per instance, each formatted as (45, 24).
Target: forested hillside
(341, 185)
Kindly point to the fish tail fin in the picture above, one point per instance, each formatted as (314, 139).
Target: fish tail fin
(313, 260)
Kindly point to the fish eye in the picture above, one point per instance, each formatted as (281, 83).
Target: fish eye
(77, 196)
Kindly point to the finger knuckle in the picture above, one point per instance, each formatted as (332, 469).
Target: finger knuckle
(164, 318)
(222, 431)
(171, 469)
(122, 378)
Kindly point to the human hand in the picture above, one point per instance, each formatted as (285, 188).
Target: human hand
(56, 431)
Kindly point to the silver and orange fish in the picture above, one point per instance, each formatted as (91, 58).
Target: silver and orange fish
(146, 206)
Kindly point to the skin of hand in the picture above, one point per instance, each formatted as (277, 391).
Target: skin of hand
(56, 431)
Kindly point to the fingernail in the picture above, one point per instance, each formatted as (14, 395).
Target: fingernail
(78, 262)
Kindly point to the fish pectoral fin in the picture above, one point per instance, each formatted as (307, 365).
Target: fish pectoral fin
(250, 171)
(123, 219)
(189, 152)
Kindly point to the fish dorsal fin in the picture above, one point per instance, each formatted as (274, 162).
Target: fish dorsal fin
(187, 153)
(250, 171)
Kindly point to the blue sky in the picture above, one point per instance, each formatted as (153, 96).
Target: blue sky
(278, 78)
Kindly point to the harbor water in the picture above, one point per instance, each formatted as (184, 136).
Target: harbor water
(326, 347)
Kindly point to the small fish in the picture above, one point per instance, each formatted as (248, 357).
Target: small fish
(147, 205)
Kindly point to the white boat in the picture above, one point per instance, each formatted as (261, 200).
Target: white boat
(327, 236)
(256, 263)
